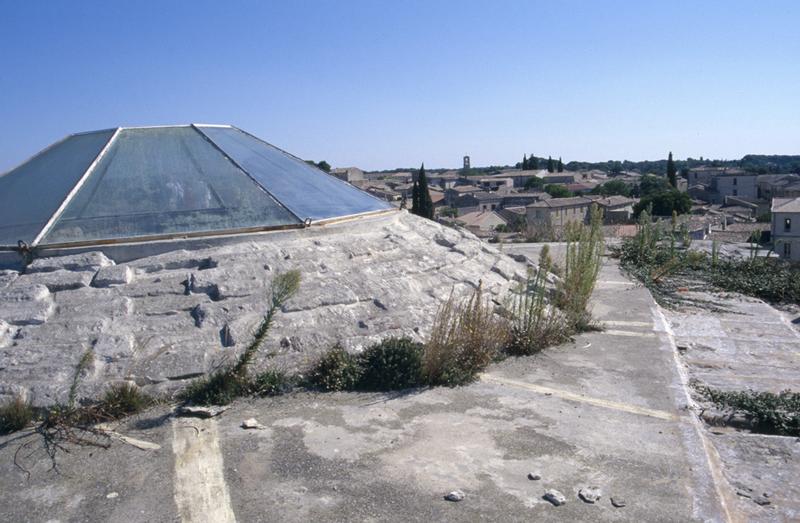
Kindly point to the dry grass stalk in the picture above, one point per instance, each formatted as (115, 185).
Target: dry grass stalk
(466, 336)
(585, 248)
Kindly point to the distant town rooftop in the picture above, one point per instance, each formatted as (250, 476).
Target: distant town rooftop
(786, 204)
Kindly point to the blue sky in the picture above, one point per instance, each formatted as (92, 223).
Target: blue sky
(382, 84)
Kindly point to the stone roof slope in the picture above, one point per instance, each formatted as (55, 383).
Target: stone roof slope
(161, 320)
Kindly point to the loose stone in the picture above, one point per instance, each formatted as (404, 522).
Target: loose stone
(618, 502)
(534, 477)
(455, 495)
(252, 423)
(590, 494)
(555, 497)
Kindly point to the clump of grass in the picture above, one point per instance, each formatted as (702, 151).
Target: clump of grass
(585, 248)
(465, 337)
(226, 384)
(535, 323)
(336, 370)
(122, 400)
(769, 412)
(217, 388)
(270, 383)
(392, 364)
(15, 414)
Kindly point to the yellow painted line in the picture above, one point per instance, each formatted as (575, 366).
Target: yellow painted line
(571, 396)
(632, 334)
(201, 493)
(625, 323)
(615, 282)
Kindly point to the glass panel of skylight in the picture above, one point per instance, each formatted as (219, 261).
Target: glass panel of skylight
(165, 181)
(305, 190)
(31, 193)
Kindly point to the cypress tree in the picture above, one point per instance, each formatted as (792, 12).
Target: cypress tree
(672, 173)
(424, 196)
(560, 165)
(533, 163)
(550, 166)
(524, 162)
(415, 199)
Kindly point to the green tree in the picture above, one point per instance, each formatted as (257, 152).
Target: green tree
(612, 188)
(325, 166)
(524, 162)
(415, 198)
(557, 191)
(650, 184)
(533, 163)
(423, 198)
(672, 173)
(560, 167)
(550, 165)
(534, 182)
(665, 203)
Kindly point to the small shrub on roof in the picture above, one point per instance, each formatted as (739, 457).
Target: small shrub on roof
(392, 364)
(336, 370)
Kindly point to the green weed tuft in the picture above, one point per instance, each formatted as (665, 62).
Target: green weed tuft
(15, 414)
(270, 383)
(122, 400)
(770, 413)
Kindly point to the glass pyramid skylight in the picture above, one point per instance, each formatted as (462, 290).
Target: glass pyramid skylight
(156, 182)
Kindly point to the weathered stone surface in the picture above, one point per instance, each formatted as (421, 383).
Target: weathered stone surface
(26, 304)
(87, 261)
(113, 275)
(112, 348)
(8, 392)
(6, 334)
(7, 277)
(55, 281)
(389, 274)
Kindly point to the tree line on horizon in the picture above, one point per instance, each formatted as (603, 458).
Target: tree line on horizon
(532, 164)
